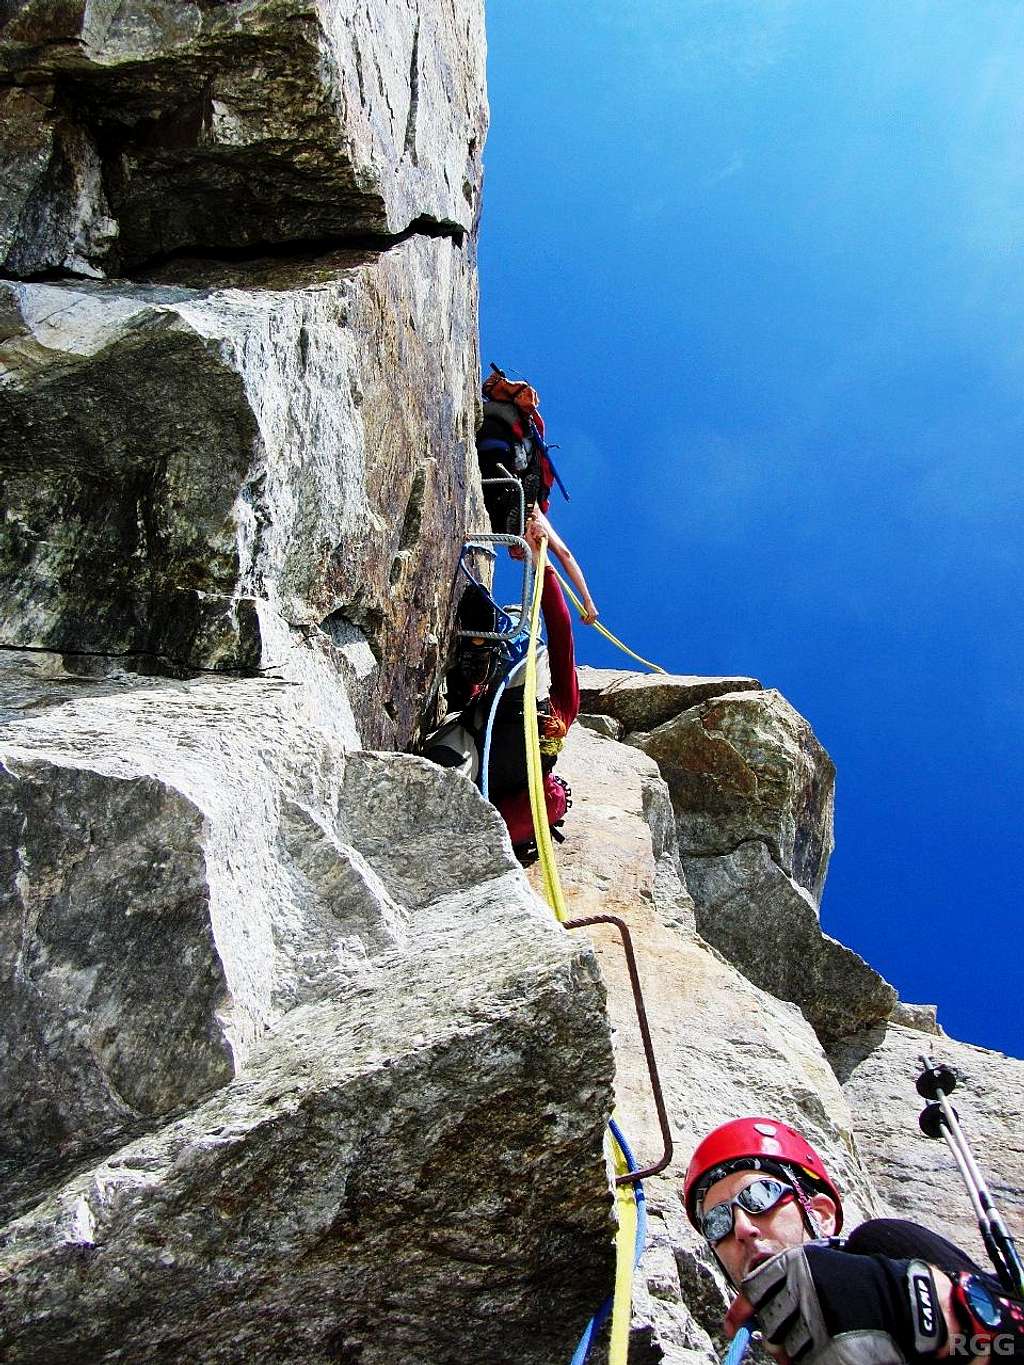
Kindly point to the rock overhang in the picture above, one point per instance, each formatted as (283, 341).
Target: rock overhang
(135, 134)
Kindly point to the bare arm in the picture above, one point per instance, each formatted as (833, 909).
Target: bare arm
(568, 562)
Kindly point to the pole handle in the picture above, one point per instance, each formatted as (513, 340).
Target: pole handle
(738, 1346)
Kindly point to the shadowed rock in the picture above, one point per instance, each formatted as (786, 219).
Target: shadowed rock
(766, 924)
(751, 789)
(113, 980)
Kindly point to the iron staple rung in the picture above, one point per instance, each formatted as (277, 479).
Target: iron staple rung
(486, 634)
(645, 1035)
(496, 538)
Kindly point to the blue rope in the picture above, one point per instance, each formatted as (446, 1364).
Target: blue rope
(486, 760)
(638, 1191)
(601, 1316)
(513, 649)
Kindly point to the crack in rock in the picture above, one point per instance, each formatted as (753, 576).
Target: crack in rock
(298, 250)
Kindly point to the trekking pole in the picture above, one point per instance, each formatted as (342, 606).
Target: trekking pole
(939, 1119)
(738, 1346)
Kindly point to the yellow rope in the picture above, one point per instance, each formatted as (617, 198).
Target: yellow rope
(625, 1254)
(655, 668)
(535, 773)
(625, 1197)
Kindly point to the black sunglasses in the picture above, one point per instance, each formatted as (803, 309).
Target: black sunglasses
(760, 1196)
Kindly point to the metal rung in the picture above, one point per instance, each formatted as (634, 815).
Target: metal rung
(484, 539)
(475, 547)
(645, 1036)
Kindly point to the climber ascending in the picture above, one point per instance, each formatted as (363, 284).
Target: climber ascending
(511, 441)
(889, 1292)
(472, 684)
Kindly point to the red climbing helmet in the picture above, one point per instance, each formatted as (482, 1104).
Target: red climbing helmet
(756, 1144)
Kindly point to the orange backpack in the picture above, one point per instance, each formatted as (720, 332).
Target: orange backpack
(512, 436)
(497, 388)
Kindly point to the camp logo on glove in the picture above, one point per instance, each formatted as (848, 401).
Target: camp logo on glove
(920, 1283)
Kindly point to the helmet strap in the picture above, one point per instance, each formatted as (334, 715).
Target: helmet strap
(806, 1212)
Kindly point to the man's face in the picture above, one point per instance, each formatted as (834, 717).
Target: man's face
(756, 1237)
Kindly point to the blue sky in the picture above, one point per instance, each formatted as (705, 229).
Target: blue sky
(762, 258)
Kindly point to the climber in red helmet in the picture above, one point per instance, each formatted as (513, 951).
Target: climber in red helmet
(890, 1291)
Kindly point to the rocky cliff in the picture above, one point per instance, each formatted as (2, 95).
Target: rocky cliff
(295, 1063)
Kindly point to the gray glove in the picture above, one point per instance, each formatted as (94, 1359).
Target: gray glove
(831, 1307)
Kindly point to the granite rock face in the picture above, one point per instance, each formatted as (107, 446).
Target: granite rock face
(641, 701)
(752, 791)
(228, 478)
(211, 907)
(205, 823)
(767, 924)
(920, 1018)
(743, 766)
(137, 131)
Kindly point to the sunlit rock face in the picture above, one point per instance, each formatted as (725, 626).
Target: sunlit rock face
(294, 1065)
(916, 1175)
(137, 131)
(752, 793)
(743, 766)
(642, 701)
(281, 1016)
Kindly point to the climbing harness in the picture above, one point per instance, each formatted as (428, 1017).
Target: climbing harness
(602, 630)
(939, 1119)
